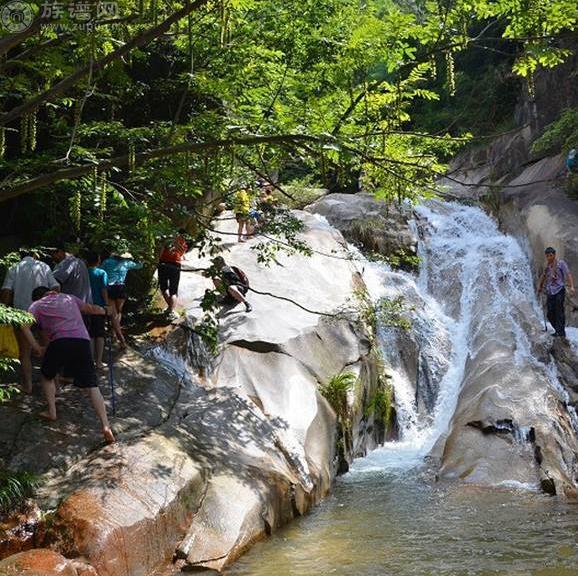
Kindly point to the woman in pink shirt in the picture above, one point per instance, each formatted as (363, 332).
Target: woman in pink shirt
(59, 316)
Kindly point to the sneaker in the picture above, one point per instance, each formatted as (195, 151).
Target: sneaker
(172, 316)
(248, 307)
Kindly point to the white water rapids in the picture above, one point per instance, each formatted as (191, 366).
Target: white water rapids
(475, 284)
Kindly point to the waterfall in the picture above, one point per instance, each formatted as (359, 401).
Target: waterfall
(473, 298)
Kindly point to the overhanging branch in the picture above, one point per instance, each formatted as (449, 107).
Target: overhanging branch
(21, 188)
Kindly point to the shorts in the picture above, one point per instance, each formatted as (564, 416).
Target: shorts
(117, 292)
(169, 277)
(241, 217)
(97, 326)
(72, 357)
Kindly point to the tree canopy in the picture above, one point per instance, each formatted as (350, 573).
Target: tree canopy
(122, 119)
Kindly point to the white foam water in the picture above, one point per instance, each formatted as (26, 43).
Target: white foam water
(473, 281)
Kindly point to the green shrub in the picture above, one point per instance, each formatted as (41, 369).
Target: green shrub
(560, 136)
(15, 487)
(335, 392)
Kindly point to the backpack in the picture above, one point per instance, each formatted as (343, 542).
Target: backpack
(572, 160)
(242, 276)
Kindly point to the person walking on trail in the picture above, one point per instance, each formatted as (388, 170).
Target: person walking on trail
(97, 327)
(117, 269)
(241, 209)
(59, 316)
(19, 283)
(169, 270)
(231, 281)
(554, 279)
(72, 274)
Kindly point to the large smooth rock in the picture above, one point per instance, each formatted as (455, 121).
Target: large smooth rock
(274, 359)
(132, 506)
(377, 225)
(43, 562)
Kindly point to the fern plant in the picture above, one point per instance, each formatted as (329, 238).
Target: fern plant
(335, 392)
(15, 487)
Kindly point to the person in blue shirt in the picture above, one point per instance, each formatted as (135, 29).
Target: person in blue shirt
(117, 267)
(97, 326)
(98, 285)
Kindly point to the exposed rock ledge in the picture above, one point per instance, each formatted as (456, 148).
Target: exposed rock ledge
(204, 468)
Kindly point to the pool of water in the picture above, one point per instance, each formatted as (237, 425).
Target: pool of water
(384, 523)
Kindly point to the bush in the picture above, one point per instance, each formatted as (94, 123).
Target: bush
(560, 136)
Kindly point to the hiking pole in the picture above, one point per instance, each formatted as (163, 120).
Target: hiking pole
(543, 313)
(110, 365)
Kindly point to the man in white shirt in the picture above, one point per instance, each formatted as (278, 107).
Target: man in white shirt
(17, 289)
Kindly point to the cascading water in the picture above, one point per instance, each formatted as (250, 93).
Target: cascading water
(475, 341)
(474, 291)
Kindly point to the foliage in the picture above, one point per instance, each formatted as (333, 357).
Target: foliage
(560, 136)
(335, 391)
(15, 487)
(387, 312)
(12, 317)
(117, 156)
(380, 404)
(571, 186)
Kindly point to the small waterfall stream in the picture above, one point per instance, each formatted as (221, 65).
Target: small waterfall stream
(475, 285)
(473, 300)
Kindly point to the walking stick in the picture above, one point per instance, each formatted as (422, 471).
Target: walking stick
(110, 364)
(543, 313)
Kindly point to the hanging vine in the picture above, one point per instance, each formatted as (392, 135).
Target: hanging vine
(225, 17)
(32, 130)
(451, 73)
(24, 134)
(131, 157)
(530, 81)
(2, 143)
(74, 209)
(102, 198)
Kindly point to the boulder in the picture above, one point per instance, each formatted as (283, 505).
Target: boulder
(42, 562)
(377, 226)
(132, 505)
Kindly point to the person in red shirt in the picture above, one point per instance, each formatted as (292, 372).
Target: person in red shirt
(169, 270)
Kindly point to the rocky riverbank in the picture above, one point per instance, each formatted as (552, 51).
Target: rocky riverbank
(206, 465)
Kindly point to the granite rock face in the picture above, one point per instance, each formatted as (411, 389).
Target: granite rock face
(209, 462)
(375, 225)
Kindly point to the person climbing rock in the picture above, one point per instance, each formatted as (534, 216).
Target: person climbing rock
(59, 316)
(169, 271)
(19, 283)
(231, 281)
(554, 279)
(72, 274)
(242, 209)
(100, 297)
(117, 269)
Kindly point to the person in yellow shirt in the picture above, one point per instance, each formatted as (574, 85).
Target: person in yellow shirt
(241, 208)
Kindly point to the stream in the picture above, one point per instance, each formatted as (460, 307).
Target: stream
(389, 516)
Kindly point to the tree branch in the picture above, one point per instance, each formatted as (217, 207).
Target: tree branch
(7, 192)
(136, 42)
